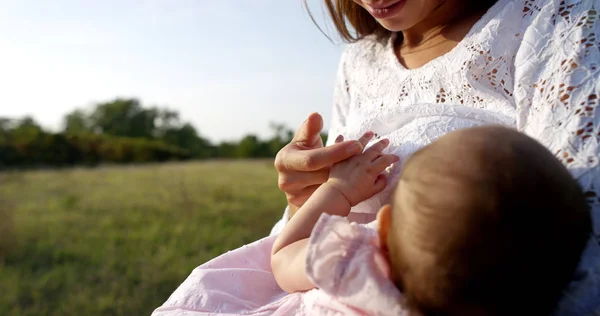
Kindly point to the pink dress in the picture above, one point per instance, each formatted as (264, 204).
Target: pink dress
(344, 262)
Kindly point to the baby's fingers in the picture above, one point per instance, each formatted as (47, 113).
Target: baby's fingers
(379, 185)
(382, 162)
(375, 151)
(364, 140)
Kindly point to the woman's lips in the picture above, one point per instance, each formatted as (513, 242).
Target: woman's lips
(384, 11)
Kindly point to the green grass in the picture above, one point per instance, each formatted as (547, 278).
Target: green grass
(119, 240)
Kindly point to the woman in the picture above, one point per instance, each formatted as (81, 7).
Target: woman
(529, 64)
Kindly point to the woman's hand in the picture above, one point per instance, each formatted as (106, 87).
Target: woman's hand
(304, 164)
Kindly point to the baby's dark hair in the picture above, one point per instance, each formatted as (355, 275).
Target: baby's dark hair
(485, 221)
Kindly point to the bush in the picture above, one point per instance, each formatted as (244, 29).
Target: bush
(85, 149)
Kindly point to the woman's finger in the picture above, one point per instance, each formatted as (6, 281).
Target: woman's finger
(307, 135)
(339, 139)
(296, 159)
(299, 198)
(383, 162)
(294, 182)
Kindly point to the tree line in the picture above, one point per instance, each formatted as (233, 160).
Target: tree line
(123, 131)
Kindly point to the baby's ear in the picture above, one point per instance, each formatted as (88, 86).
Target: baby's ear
(384, 221)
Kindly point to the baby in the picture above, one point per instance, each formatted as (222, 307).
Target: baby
(484, 221)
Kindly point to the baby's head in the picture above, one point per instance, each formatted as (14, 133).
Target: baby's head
(484, 221)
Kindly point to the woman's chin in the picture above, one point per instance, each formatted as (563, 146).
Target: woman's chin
(394, 25)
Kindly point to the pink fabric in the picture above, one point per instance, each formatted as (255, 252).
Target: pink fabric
(238, 282)
(344, 261)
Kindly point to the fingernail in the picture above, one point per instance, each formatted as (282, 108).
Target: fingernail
(355, 148)
(339, 138)
(369, 133)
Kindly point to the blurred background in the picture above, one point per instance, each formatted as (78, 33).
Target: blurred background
(137, 140)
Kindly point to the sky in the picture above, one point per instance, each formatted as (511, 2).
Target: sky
(228, 66)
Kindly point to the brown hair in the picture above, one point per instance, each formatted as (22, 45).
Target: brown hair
(345, 13)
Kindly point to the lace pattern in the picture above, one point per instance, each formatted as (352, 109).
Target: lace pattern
(528, 64)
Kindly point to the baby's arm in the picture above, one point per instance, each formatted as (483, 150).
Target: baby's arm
(350, 182)
(288, 259)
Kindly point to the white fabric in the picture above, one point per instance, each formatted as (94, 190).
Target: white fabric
(276, 230)
(528, 64)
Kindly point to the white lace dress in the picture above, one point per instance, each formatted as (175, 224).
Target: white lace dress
(529, 64)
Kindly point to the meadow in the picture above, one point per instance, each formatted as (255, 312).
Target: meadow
(118, 240)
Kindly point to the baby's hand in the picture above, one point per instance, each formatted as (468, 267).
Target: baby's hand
(359, 178)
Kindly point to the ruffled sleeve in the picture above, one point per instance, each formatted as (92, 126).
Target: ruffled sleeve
(345, 261)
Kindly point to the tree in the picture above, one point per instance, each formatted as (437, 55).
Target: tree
(251, 147)
(124, 131)
(26, 130)
(324, 137)
(124, 117)
(282, 136)
(166, 120)
(6, 125)
(186, 137)
(76, 122)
